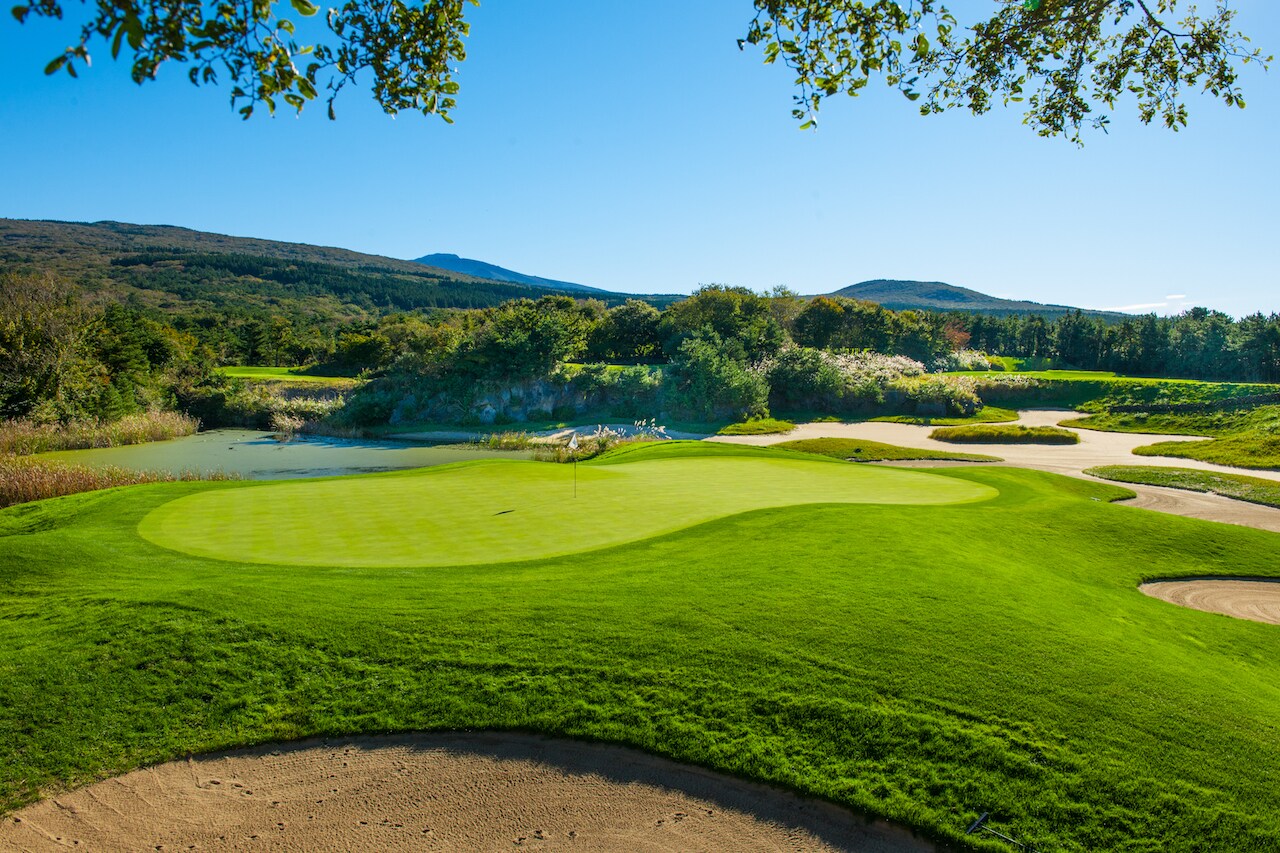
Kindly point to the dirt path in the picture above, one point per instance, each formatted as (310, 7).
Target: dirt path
(1095, 448)
(484, 791)
(1258, 600)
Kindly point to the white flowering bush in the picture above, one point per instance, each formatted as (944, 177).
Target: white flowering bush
(965, 359)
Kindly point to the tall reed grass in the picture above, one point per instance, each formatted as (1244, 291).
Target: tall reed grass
(21, 437)
(24, 479)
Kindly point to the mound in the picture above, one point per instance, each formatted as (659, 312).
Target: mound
(441, 792)
(495, 511)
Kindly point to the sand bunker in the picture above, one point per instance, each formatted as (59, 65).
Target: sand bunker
(486, 791)
(1258, 600)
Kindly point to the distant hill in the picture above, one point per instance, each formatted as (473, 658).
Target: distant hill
(170, 268)
(939, 296)
(493, 272)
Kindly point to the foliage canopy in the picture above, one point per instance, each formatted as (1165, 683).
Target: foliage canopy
(1059, 57)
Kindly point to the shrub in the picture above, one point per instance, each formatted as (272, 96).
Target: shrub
(965, 359)
(707, 384)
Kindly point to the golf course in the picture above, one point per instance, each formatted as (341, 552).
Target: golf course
(916, 646)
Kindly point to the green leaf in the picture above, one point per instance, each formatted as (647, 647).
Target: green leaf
(115, 42)
(53, 66)
(304, 7)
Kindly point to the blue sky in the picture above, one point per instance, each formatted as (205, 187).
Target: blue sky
(633, 147)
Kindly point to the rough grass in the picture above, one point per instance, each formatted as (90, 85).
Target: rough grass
(1244, 438)
(24, 479)
(1005, 434)
(925, 663)
(24, 437)
(1251, 450)
(758, 426)
(860, 450)
(985, 415)
(1244, 488)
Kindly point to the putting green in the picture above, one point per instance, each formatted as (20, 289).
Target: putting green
(496, 511)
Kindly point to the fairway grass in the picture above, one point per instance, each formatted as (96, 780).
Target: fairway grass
(924, 663)
(495, 511)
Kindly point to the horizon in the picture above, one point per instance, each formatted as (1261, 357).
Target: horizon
(1015, 298)
(625, 189)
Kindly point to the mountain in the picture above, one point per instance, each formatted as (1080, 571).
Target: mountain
(178, 269)
(939, 296)
(492, 272)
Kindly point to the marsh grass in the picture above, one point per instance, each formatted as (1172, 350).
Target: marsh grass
(21, 438)
(1005, 434)
(24, 479)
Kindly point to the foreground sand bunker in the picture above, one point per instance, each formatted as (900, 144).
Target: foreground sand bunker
(486, 791)
(1258, 600)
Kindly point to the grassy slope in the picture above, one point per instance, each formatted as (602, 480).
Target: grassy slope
(927, 663)
(1005, 434)
(861, 450)
(1253, 489)
(758, 426)
(1246, 438)
(283, 374)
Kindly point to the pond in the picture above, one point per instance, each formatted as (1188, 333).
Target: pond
(258, 455)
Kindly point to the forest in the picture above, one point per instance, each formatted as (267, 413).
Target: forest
(724, 352)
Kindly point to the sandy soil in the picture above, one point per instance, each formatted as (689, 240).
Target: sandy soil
(1258, 600)
(1095, 448)
(484, 791)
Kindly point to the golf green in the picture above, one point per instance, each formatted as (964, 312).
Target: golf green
(497, 511)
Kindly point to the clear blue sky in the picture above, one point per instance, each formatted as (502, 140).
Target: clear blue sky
(633, 147)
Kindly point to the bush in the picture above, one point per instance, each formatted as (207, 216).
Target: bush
(965, 359)
(708, 385)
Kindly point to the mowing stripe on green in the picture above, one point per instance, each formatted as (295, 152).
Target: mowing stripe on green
(488, 512)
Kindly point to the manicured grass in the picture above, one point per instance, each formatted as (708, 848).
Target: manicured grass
(1253, 489)
(282, 374)
(757, 426)
(860, 450)
(499, 510)
(1005, 434)
(985, 415)
(926, 663)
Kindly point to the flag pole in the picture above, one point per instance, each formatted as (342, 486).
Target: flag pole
(573, 449)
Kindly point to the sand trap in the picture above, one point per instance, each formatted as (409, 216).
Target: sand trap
(486, 791)
(1258, 600)
(1095, 448)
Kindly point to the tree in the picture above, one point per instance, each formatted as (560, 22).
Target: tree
(1067, 55)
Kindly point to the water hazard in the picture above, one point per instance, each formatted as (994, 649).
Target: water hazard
(258, 455)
